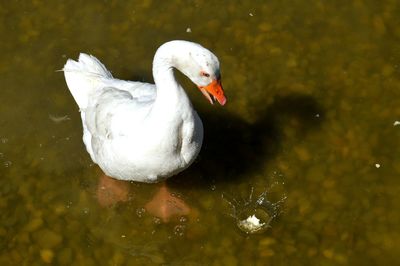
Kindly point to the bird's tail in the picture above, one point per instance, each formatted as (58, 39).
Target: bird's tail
(84, 76)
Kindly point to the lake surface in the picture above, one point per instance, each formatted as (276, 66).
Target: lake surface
(313, 92)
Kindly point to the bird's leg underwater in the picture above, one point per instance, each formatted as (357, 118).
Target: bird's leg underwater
(166, 206)
(111, 191)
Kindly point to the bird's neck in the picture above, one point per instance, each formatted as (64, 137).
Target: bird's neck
(170, 95)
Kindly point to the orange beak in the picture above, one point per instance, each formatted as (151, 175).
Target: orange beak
(215, 90)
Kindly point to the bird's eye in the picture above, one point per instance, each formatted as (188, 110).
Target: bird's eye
(205, 74)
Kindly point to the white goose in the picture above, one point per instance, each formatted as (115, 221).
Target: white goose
(140, 131)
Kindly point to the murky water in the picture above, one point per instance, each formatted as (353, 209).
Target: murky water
(313, 90)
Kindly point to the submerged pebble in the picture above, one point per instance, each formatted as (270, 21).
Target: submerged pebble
(47, 238)
(47, 255)
(34, 224)
(267, 241)
(64, 257)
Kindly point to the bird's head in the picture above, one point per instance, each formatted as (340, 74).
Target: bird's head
(201, 66)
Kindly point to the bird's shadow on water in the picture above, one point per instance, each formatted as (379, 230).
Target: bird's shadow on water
(234, 148)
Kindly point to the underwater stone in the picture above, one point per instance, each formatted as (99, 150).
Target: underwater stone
(47, 255)
(47, 238)
(65, 256)
(267, 241)
(230, 260)
(34, 224)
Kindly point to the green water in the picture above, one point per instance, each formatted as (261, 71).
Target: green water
(313, 90)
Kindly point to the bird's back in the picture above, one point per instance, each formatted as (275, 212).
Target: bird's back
(105, 103)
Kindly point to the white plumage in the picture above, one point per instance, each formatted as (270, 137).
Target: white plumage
(140, 131)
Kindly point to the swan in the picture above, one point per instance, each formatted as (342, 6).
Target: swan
(139, 131)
